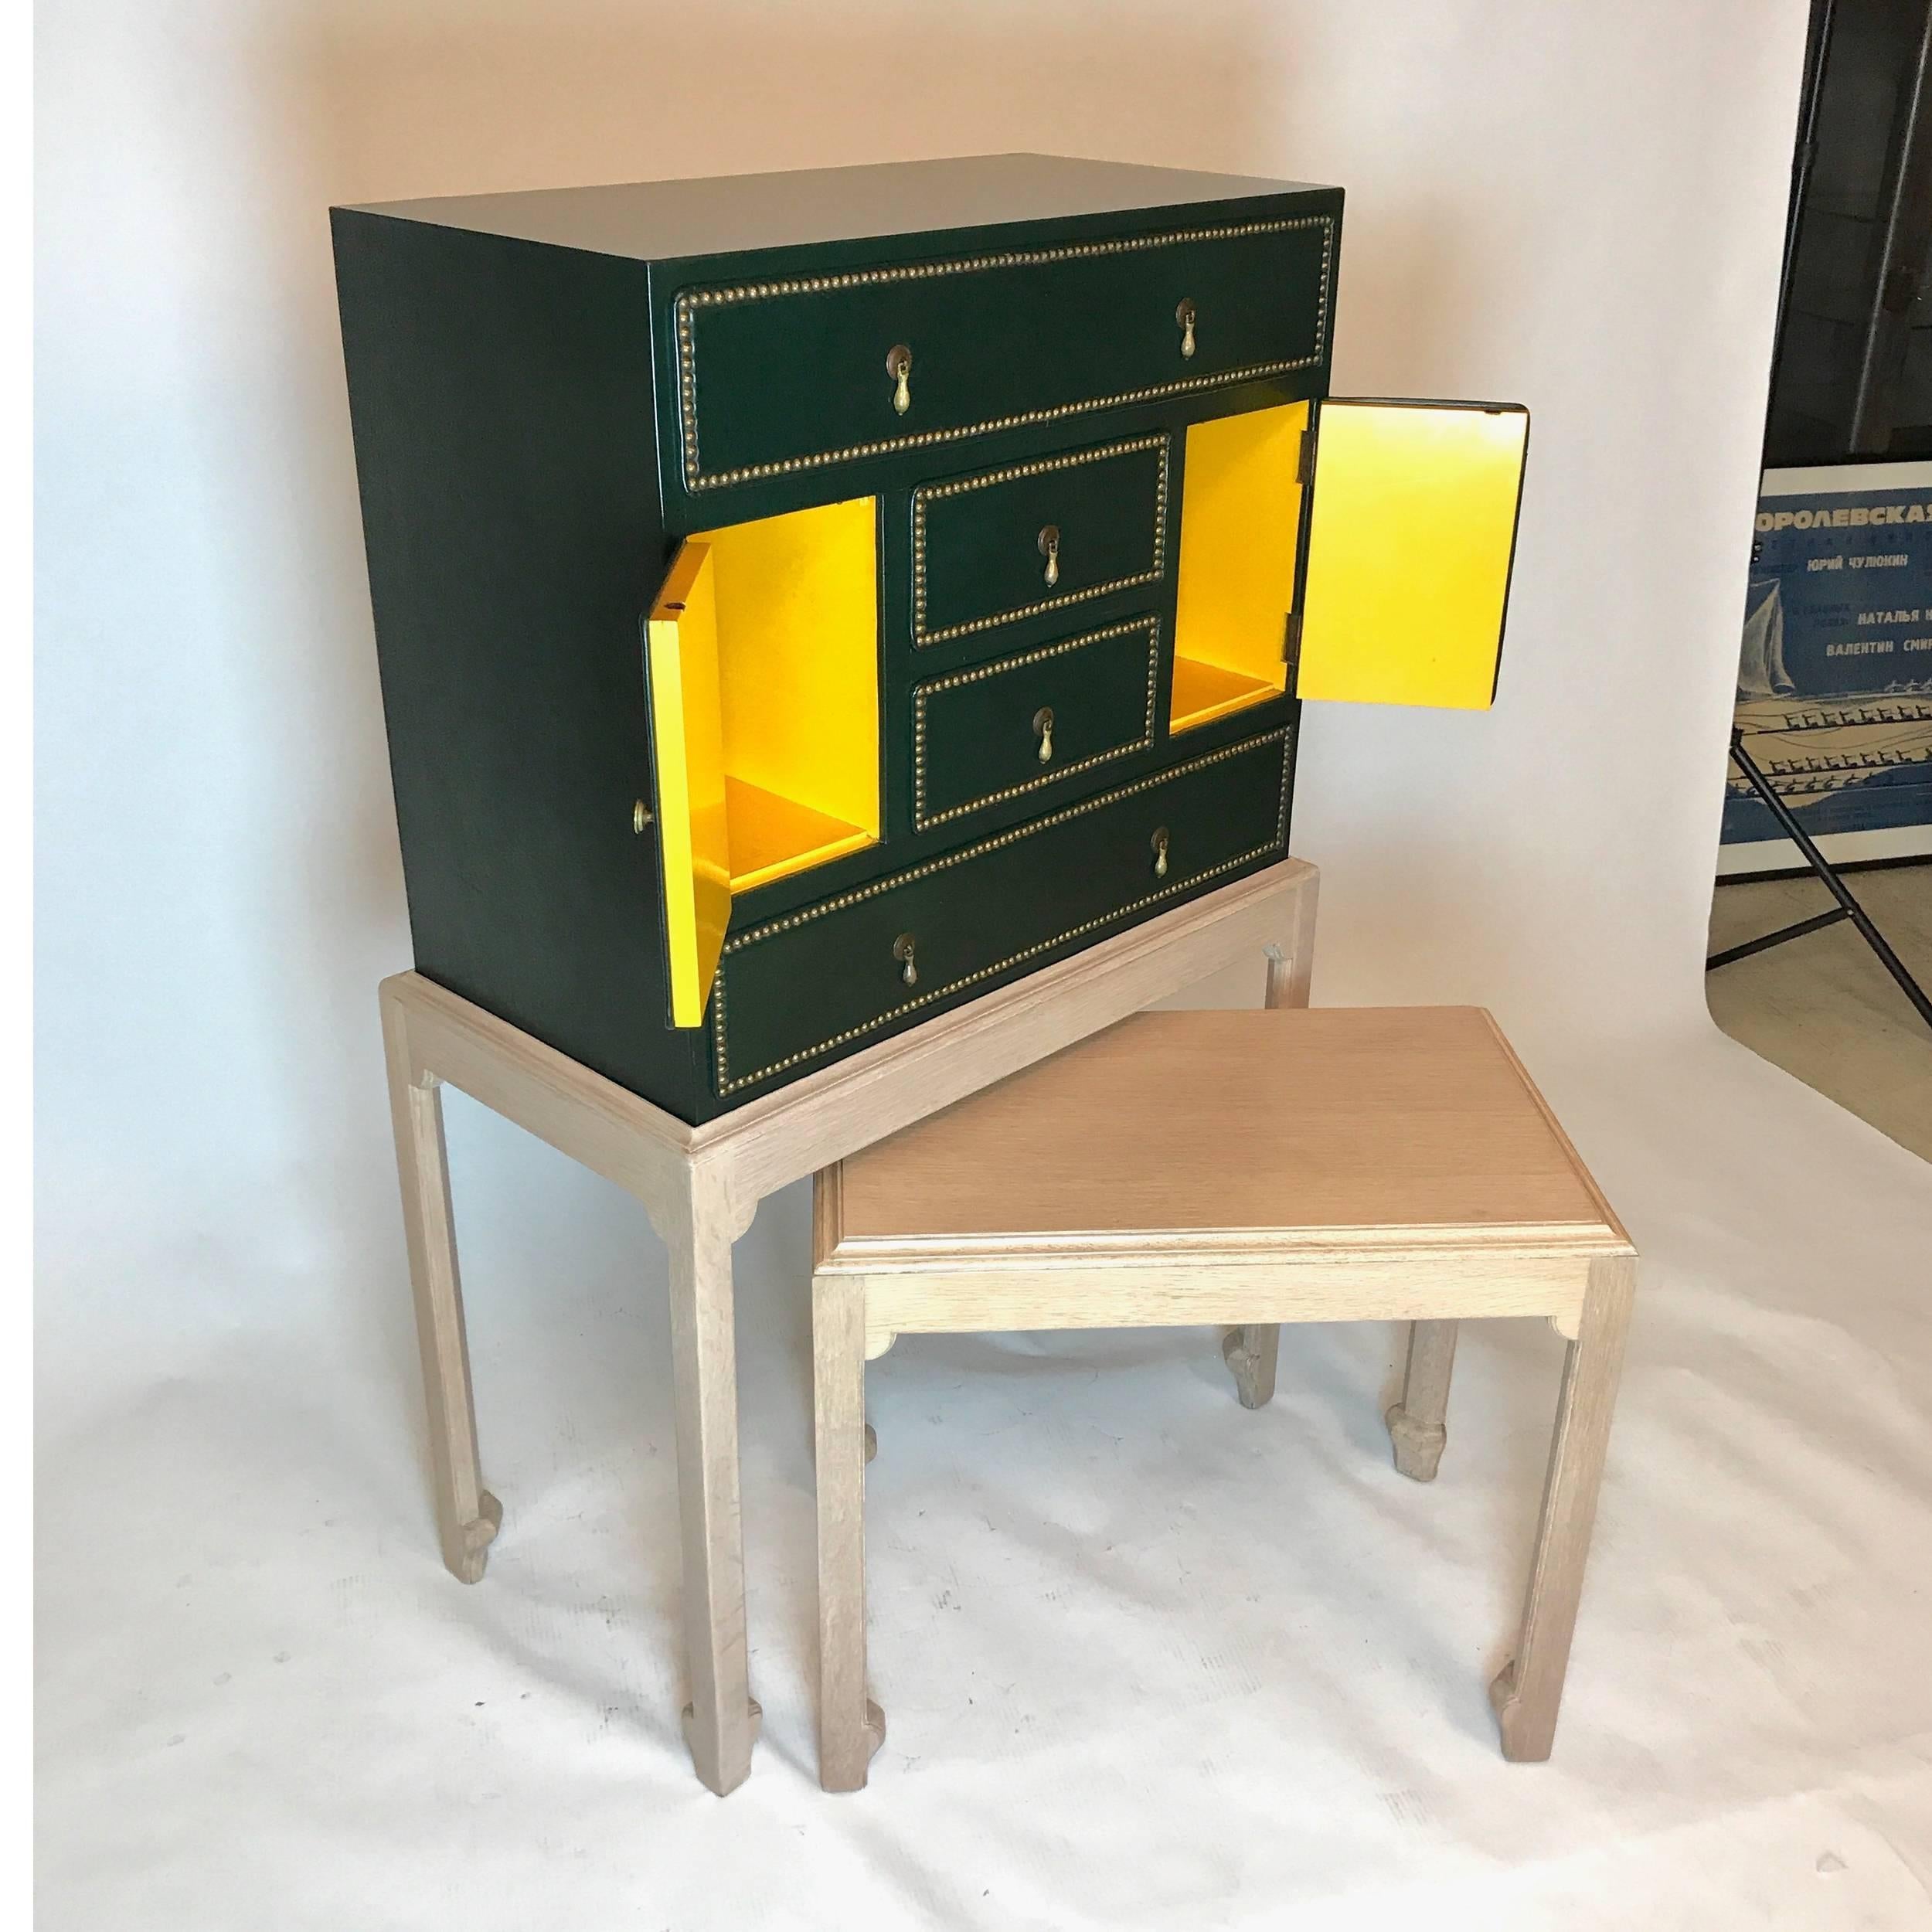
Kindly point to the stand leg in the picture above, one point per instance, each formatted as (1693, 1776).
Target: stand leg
(1527, 1693)
(1253, 1351)
(851, 1727)
(1291, 968)
(467, 1516)
(721, 1720)
(1415, 1425)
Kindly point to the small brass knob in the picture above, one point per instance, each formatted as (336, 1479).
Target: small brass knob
(899, 366)
(1049, 547)
(640, 815)
(1043, 731)
(1159, 842)
(902, 952)
(1184, 315)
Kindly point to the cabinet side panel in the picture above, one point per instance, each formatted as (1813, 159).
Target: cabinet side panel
(501, 396)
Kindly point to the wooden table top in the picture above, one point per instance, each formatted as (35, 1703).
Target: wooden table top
(1324, 1119)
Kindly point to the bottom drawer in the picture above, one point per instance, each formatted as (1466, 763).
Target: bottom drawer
(815, 983)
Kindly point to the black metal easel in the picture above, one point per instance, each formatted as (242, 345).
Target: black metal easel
(1909, 196)
(1847, 907)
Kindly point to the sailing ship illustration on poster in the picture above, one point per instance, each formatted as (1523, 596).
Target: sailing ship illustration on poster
(1834, 667)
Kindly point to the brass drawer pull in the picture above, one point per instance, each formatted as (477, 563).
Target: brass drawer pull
(1043, 731)
(1049, 547)
(1159, 842)
(1184, 316)
(902, 951)
(899, 366)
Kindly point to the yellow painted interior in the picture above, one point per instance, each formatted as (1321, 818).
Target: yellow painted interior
(772, 835)
(764, 684)
(798, 669)
(682, 643)
(1410, 542)
(1240, 512)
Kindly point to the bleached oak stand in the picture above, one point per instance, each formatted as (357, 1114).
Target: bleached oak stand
(701, 1185)
(1343, 1164)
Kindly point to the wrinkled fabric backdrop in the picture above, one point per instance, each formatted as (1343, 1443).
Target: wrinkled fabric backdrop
(1149, 1660)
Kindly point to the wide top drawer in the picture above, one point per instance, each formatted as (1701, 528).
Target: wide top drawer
(803, 372)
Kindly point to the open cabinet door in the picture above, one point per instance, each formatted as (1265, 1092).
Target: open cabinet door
(1411, 531)
(687, 736)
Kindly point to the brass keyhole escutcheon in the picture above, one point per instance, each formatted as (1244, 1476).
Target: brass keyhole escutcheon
(902, 952)
(899, 366)
(1049, 547)
(1043, 731)
(1159, 842)
(1184, 316)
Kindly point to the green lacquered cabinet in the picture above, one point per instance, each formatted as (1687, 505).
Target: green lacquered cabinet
(932, 707)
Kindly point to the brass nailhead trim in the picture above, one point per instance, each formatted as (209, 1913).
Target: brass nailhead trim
(727, 1085)
(938, 492)
(732, 294)
(921, 822)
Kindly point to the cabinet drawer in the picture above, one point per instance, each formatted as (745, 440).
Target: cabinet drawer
(812, 984)
(1001, 730)
(1011, 543)
(775, 377)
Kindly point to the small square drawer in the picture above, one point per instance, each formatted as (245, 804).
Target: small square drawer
(1005, 544)
(810, 986)
(802, 372)
(1000, 730)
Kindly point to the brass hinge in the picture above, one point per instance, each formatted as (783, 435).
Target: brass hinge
(1291, 649)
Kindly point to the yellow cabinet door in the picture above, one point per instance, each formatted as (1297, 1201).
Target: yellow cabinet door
(1411, 532)
(687, 732)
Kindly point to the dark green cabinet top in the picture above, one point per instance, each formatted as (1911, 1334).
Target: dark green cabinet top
(657, 220)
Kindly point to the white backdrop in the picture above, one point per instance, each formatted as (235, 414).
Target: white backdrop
(1127, 1687)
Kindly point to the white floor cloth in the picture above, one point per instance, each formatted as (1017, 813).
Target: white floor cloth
(1148, 1659)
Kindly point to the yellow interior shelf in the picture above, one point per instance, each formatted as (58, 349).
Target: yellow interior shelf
(1203, 693)
(771, 836)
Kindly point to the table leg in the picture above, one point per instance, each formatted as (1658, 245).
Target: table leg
(467, 1516)
(1530, 1688)
(721, 1720)
(851, 1727)
(1253, 1351)
(1416, 1424)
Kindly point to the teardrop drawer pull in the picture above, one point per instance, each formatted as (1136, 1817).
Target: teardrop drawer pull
(902, 952)
(899, 366)
(1184, 316)
(1159, 842)
(1043, 731)
(1049, 547)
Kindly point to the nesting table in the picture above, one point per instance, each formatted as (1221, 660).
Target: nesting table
(1240, 1169)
